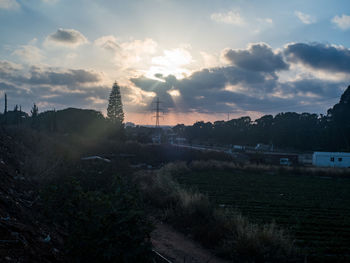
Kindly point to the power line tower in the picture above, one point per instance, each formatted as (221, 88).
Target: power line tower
(157, 110)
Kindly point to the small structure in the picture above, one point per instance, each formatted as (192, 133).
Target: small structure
(285, 161)
(130, 124)
(305, 158)
(263, 147)
(95, 158)
(274, 158)
(331, 159)
(238, 148)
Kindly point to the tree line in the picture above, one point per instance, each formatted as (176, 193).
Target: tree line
(70, 120)
(287, 130)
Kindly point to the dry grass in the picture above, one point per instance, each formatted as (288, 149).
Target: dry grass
(257, 243)
(288, 170)
(229, 233)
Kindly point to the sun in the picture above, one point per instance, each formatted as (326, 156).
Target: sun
(174, 93)
(172, 62)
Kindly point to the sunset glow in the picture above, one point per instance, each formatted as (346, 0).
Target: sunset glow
(224, 57)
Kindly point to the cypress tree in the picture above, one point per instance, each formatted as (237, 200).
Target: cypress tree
(115, 107)
(34, 111)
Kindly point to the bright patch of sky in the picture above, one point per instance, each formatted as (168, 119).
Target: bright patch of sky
(171, 44)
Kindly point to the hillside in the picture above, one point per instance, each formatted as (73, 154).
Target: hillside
(26, 236)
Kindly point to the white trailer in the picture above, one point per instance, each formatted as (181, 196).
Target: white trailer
(331, 159)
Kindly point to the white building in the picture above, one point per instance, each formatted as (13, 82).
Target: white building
(331, 159)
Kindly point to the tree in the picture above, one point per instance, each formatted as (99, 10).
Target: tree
(340, 122)
(34, 111)
(115, 107)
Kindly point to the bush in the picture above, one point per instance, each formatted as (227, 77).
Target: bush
(102, 226)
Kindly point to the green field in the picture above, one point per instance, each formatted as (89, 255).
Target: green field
(314, 210)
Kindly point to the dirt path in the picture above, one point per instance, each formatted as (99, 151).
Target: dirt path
(178, 248)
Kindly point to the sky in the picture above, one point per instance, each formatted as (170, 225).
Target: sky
(205, 60)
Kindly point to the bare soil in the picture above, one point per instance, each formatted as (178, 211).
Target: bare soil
(178, 248)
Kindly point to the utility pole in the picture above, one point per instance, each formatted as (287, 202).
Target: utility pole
(228, 116)
(5, 111)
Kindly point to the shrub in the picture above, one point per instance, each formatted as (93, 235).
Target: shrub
(102, 226)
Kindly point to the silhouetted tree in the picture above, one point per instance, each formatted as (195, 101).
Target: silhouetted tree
(115, 107)
(5, 110)
(287, 130)
(339, 117)
(34, 111)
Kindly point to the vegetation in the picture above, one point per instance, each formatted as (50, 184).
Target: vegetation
(311, 203)
(289, 130)
(237, 210)
(104, 216)
(115, 107)
(229, 234)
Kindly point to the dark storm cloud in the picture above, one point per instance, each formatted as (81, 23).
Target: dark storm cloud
(67, 36)
(251, 82)
(161, 88)
(315, 87)
(48, 76)
(53, 77)
(55, 87)
(204, 90)
(229, 89)
(258, 57)
(320, 56)
(55, 98)
(77, 98)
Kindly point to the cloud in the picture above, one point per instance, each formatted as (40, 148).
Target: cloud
(29, 53)
(146, 46)
(230, 89)
(176, 57)
(71, 77)
(320, 56)
(305, 18)
(66, 37)
(129, 54)
(231, 17)
(49, 1)
(9, 4)
(257, 57)
(52, 87)
(172, 61)
(250, 83)
(108, 42)
(8, 67)
(343, 22)
(209, 60)
(137, 47)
